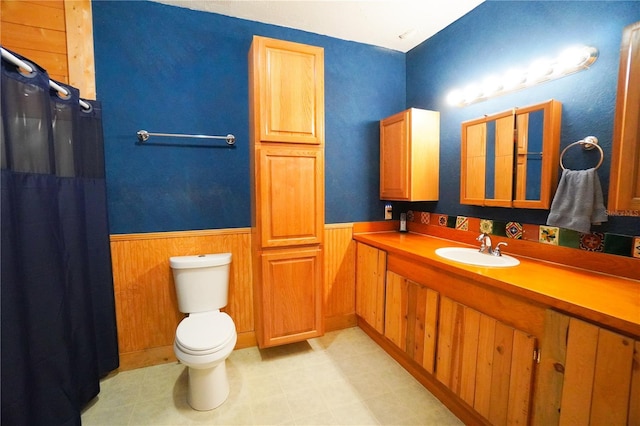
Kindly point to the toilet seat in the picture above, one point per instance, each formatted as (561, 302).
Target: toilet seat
(205, 333)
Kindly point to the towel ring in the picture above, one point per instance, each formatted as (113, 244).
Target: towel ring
(589, 142)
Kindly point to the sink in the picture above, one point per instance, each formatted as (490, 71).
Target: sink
(471, 256)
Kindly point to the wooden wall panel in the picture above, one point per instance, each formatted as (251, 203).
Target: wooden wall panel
(55, 34)
(79, 24)
(146, 304)
(339, 276)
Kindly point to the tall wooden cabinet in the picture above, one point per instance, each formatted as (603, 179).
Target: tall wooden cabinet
(410, 156)
(286, 113)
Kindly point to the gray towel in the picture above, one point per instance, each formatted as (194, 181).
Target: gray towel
(578, 202)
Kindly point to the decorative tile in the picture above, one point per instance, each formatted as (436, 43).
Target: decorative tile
(514, 230)
(451, 222)
(474, 224)
(636, 247)
(462, 223)
(442, 220)
(425, 218)
(486, 226)
(530, 232)
(618, 244)
(499, 228)
(569, 238)
(410, 216)
(549, 235)
(592, 242)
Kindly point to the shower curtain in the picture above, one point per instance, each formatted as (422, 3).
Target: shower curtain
(57, 302)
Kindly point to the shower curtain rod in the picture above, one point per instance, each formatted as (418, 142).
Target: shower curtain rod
(6, 55)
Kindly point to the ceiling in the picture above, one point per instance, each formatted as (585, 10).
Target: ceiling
(394, 24)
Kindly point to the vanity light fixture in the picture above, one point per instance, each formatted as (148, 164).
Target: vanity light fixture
(569, 61)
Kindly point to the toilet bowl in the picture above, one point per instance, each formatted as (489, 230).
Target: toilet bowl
(203, 342)
(207, 336)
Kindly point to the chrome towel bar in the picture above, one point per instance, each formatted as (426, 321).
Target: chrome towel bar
(143, 136)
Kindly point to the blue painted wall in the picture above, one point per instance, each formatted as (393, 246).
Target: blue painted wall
(498, 35)
(168, 69)
(172, 70)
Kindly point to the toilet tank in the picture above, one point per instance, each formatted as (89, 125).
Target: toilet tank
(202, 282)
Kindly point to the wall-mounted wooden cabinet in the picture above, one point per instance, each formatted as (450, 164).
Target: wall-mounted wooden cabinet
(510, 159)
(624, 184)
(287, 91)
(286, 111)
(410, 156)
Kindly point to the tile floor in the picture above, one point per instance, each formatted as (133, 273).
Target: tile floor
(342, 378)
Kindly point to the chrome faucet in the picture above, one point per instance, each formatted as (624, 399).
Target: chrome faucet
(485, 243)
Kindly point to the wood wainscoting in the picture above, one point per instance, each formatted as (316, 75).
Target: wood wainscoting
(146, 306)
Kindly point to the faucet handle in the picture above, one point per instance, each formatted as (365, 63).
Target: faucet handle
(496, 251)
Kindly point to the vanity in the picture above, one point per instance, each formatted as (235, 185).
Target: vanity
(536, 343)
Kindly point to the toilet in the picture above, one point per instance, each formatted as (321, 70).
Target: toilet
(206, 337)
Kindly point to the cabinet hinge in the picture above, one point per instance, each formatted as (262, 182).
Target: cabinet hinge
(536, 355)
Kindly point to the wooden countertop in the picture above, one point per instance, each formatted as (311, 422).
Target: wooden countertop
(606, 299)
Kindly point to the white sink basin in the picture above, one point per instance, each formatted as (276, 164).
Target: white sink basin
(471, 256)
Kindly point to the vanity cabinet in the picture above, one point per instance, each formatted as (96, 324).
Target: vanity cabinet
(510, 159)
(411, 318)
(286, 91)
(371, 265)
(410, 156)
(487, 363)
(588, 375)
(286, 113)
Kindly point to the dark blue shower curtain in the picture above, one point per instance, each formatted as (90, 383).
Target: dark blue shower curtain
(57, 302)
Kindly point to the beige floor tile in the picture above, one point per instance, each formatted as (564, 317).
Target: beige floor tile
(341, 378)
(356, 413)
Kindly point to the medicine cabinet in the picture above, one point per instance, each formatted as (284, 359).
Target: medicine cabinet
(624, 183)
(510, 159)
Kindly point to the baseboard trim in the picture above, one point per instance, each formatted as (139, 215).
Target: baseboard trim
(339, 322)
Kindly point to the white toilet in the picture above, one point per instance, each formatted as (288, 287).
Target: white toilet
(207, 336)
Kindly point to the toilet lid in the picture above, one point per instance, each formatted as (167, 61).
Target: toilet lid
(205, 332)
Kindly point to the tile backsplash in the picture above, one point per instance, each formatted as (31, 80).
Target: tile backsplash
(621, 245)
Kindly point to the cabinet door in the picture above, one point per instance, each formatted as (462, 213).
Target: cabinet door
(486, 363)
(411, 318)
(290, 188)
(394, 157)
(510, 159)
(588, 375)
(287, 86)
(290, 296)
(410, 156)
(624, 186)
(371, 264)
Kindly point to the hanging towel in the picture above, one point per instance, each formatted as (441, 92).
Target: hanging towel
(578, 202)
